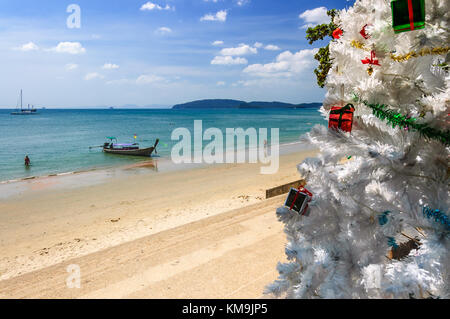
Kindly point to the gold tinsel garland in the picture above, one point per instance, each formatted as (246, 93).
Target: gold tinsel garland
(405, 57)
(424, 51)
(359, 45)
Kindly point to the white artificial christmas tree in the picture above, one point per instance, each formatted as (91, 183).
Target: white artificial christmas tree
(378, 225)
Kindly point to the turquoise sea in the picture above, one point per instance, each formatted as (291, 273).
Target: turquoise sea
(58, 140)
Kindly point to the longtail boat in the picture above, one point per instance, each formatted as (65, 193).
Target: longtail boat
(127, 149)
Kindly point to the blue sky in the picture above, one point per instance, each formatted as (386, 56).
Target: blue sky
(158, 52)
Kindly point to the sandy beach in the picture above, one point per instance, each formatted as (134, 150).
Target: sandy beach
(192, 233)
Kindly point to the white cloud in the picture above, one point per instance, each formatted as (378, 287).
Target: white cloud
(315, 16)
(163, 30)
(242, 49)
(228, 60)
(246, 83)
(93, 75)
(149, 6)
(71, 66)
(221, 83)
(242, 2)
(219, 16)
(287, 64)
(272, 47)
(217, 43)
(69, 47)
(148, 79)
(258, 45)
(110, 66)
(30, 46)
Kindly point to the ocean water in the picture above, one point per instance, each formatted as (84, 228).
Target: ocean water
(58, 141)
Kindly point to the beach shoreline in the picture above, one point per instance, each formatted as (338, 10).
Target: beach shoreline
(50, 223)
(102, 174)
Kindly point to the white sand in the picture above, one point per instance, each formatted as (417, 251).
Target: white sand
(135, 237)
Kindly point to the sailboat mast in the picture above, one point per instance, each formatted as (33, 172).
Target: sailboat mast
(21, 99)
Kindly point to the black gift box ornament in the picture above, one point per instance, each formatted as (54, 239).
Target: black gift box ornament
(298, 200)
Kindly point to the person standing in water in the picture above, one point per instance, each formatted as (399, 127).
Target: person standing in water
(27, 161)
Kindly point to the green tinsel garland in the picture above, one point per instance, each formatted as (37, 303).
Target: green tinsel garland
(382, 112)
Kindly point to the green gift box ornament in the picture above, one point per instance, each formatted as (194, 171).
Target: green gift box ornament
(408, 15)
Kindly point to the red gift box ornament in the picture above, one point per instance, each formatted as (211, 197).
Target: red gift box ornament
(298, 200)
(372, 61)
(337, 33)
(341, 117)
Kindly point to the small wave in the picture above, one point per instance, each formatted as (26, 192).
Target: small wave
(67, 173)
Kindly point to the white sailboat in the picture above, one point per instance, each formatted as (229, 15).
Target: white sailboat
(22, 111)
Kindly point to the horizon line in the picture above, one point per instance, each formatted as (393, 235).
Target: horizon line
(136, 106)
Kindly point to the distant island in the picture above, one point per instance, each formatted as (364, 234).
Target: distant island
(236, 104)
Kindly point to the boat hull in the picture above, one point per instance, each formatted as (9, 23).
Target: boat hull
(138, 152)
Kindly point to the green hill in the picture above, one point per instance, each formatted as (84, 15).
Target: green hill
(236, 104)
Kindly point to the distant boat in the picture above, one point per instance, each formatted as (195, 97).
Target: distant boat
(22, 111)
(127, 149)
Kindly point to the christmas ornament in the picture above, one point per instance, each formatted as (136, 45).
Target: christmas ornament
(398, 251)
(408, 15)
(413, 54)
(337, 33)
(371, 61)
(341, 117)
(383, 218)
(396, 119)
(364, 33)
(401, 251)
(437, 215)
(392, 242)
(298, 200)
(358, 45)
(423, 52)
